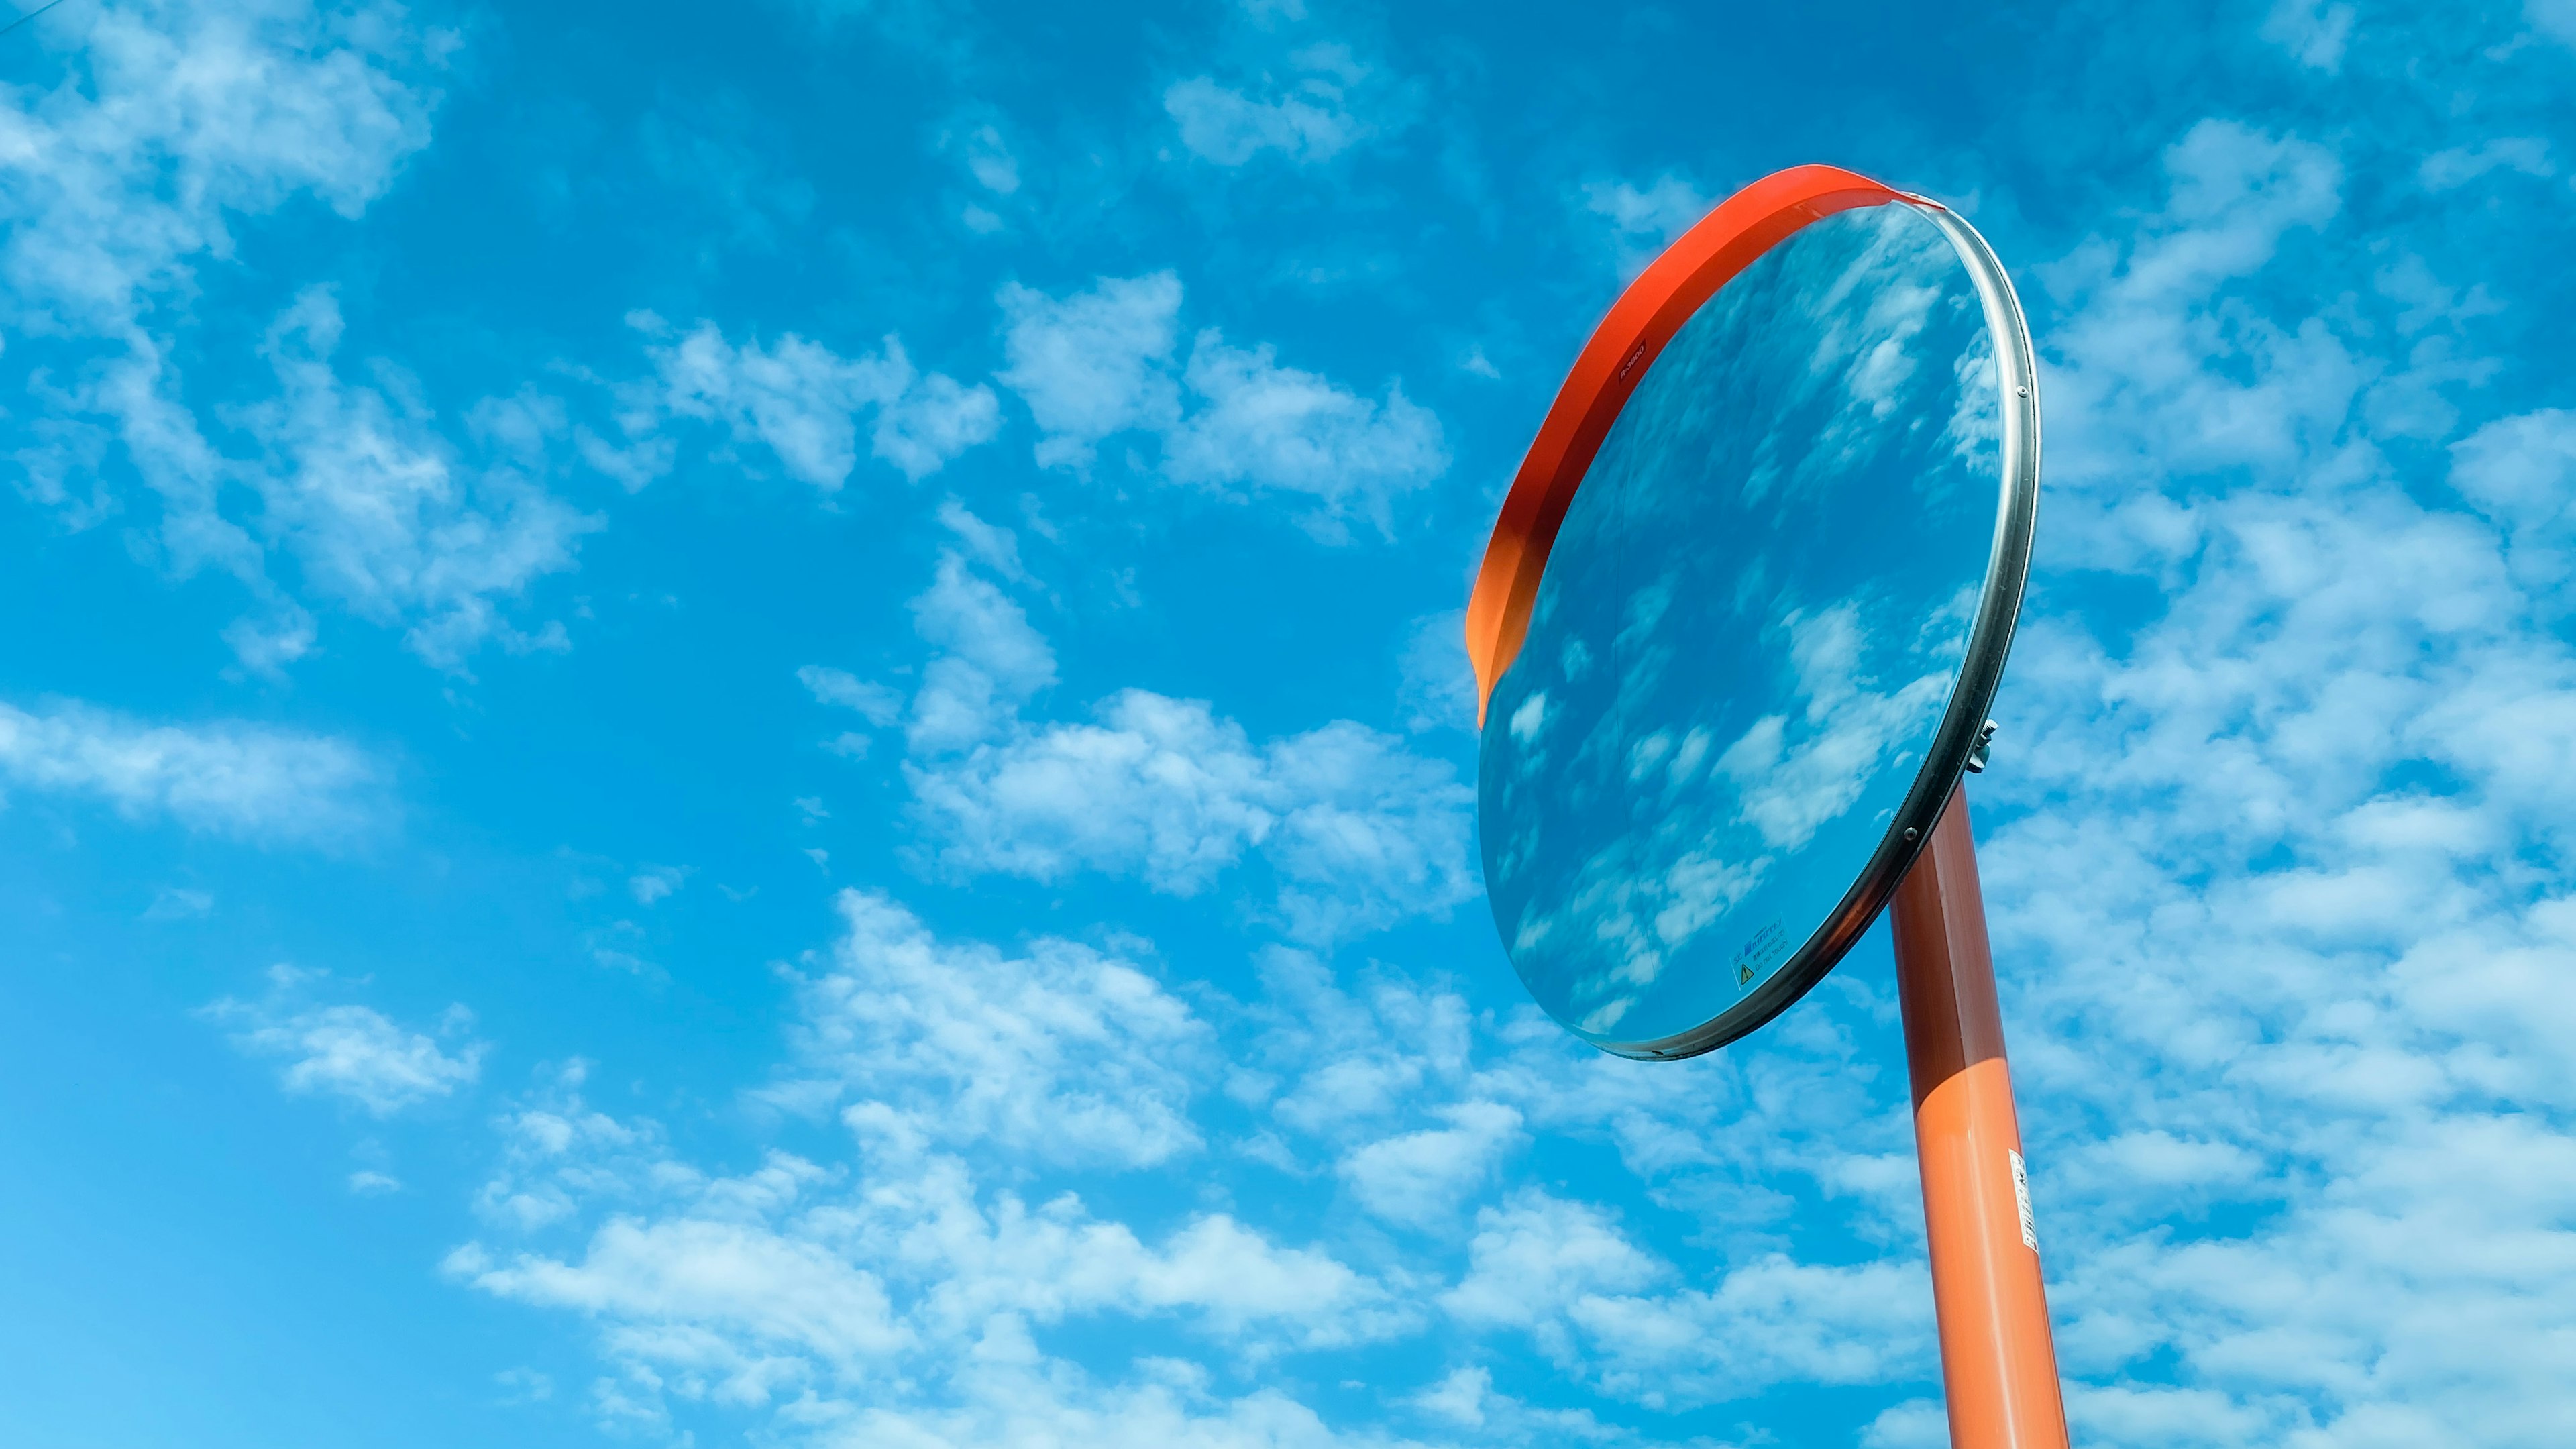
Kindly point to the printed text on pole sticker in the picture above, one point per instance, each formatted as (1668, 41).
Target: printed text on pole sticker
(2021, 1201)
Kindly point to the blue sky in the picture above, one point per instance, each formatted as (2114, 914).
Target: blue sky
(744, 726)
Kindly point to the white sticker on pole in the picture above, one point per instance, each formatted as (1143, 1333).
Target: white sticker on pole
(2021, 1201)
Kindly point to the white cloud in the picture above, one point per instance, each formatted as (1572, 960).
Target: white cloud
(2557, 17)
(990, 546)
(348, 1051)
(1564, 1272)
(1645, 220)
(1539, 1256)
(803, 402)
(2128, 379)
(841, 689)
(1437, 686)
(1359, 831)
(559, 1154)
(1459, 1398)
(1100, 363)
(194, 116)
(2459, 165)
(989, 161)
(673, 1280)
(193, 120)
(1224, 125)
(1914, 1424)
(1093, 364)
(524, 1386)
(232, 778)
(898, 1281)
(1159, 786)
(1064, 1054)
(1769, 1321)
(654, 882)
(992, 660)
(374, 506)
(1421, 1177)
(179, 903)
(1312, 117)
(2313, 32)
(2516, 470)
(1277, 429)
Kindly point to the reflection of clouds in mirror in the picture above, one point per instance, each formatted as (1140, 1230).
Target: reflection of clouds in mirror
(1799, 769)
(1747, 630)
(1977, 421)
(1865, 308)
(1896, 282)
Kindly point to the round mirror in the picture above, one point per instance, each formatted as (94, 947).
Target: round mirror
(1747, 607)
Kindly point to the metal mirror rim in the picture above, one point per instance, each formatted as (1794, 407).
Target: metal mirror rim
(1507, 582)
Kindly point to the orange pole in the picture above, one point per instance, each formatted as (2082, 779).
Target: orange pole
(1998, 1360)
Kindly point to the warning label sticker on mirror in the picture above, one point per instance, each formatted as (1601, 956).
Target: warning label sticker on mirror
(1768, 948)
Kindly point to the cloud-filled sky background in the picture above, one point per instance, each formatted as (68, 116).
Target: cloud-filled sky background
(744, 725)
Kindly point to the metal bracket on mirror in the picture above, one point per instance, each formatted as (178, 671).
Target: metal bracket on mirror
(1977, 756)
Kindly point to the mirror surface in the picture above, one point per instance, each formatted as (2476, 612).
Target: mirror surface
(1746, 633)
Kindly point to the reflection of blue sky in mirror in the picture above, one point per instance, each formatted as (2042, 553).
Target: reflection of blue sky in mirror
(1746, 632)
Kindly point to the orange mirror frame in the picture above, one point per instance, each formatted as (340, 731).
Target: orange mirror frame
(1645, 317)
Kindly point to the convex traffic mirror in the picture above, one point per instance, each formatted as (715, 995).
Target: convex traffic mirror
(1747, 606)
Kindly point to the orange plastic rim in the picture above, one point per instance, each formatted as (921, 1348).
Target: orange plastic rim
(1627, 342)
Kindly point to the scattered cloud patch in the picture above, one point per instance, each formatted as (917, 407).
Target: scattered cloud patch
(1645, 220)
(179, 903)
(959, 1067)
(841, 689)
(1232, 420)
(991, 660)
(380, 514)
(798, 402)
(2457, 166)
(990, 162)
(761, 1295)
(1063, 1053)
(1436, 686)
(351, 1052)
(656, 882)
(230, 778)
(1357, 831)
(1224, 125)
(1093, 364)
(524, 1386)
(2557, 18)
(184, 120)
(1565, 1273)
(1264, 428)
(1421, 1178)
(2237, 194)
(1311, 115)
(2312, 32)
